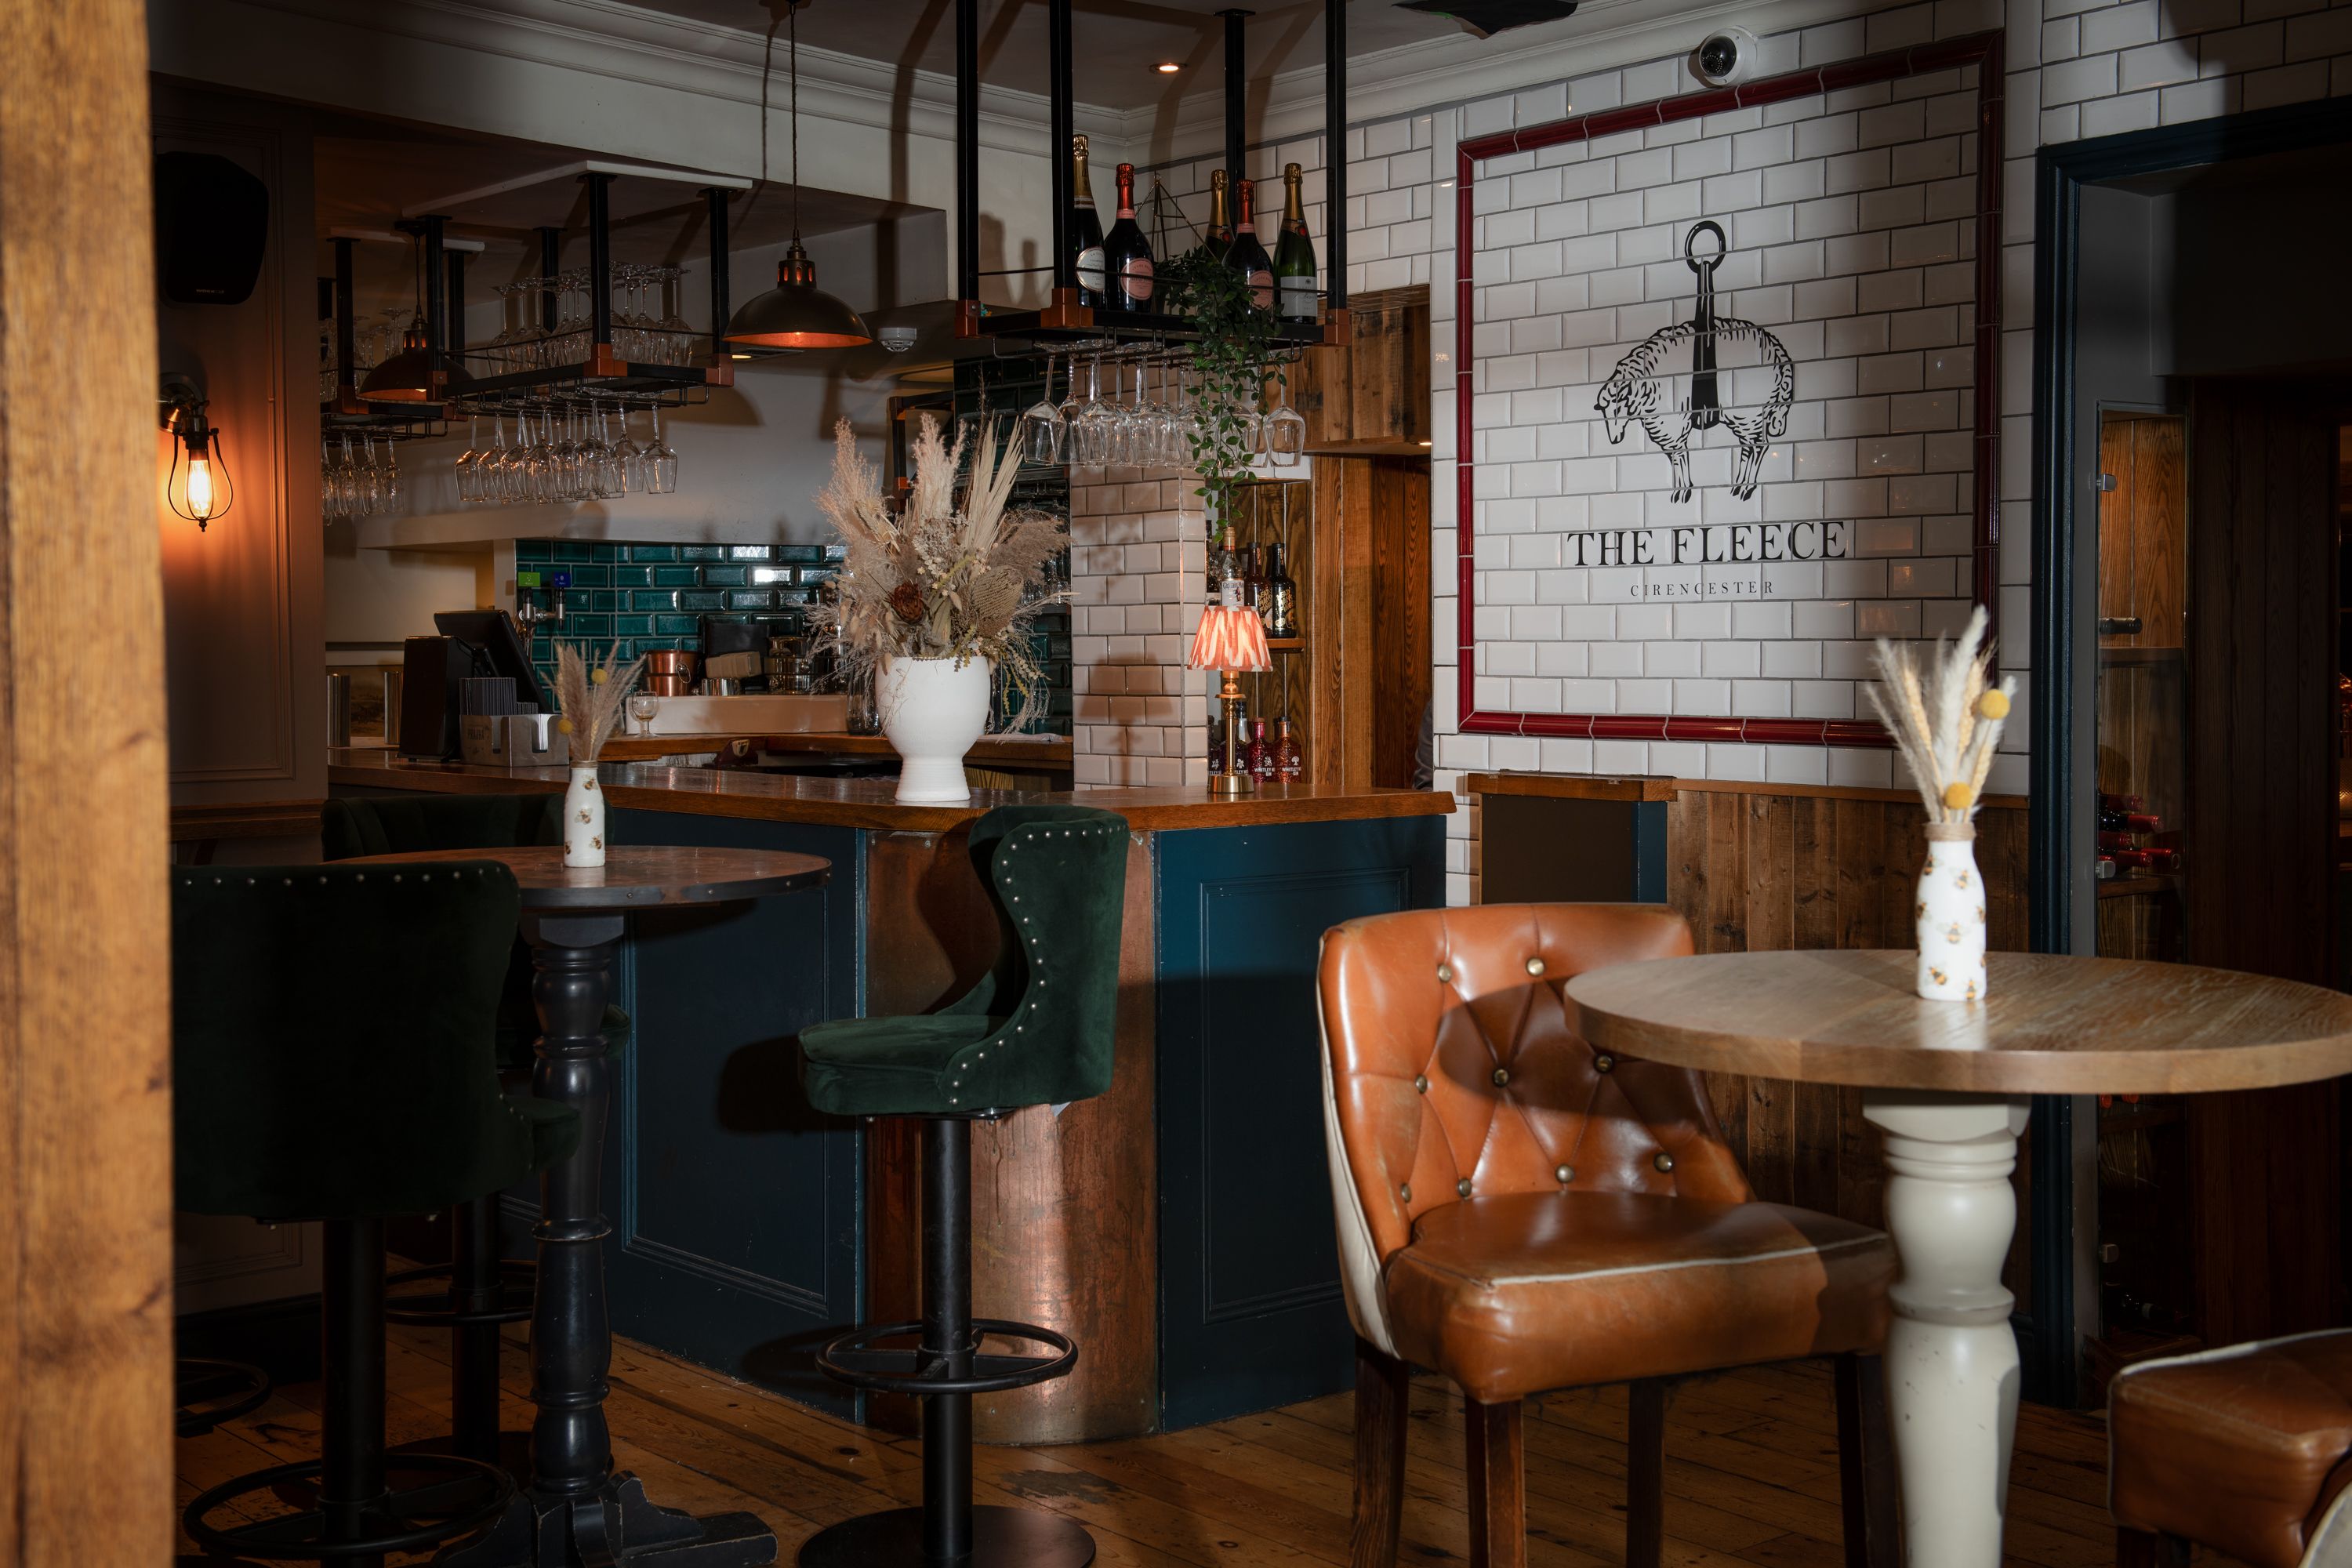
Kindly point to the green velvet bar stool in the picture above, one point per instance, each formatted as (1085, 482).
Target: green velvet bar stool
(1036, 1030)
(484, 1290)
(331, 1043)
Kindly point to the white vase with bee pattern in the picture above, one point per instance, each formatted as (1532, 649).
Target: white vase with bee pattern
(1950, 915)
(583, 817)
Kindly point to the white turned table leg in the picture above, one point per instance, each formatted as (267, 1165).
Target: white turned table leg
(1951, 1357)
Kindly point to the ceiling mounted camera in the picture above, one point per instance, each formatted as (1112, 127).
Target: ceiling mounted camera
(1727, 56)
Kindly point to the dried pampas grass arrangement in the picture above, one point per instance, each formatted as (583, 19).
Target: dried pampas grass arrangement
(591, 700)
(1945, 715)
(936, 579)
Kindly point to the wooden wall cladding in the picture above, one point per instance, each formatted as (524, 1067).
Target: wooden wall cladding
(1370, 394)
(1768, 872)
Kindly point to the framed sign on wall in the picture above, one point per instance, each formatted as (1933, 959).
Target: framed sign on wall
(1725, 371)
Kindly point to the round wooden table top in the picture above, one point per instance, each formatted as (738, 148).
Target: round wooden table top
(635, 876)
(2051, 1024)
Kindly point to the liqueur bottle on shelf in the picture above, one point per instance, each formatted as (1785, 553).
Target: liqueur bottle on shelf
(1294, 253)
(1217, 749)
(1127, 255)
(1289, 760)
(1281, 596)
(1258, 755)
(1086, 234)
(1219, 237)
(1253, 581)
(1225, 583)
(1247, 256)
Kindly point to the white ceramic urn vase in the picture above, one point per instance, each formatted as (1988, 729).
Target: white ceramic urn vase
(933, 709)
(1951, 916)
(583, 817)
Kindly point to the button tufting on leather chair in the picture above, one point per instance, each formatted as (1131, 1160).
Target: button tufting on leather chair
(2246, 1450)
(1580, 1219)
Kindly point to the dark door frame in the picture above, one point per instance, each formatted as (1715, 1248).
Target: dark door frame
(2060, 790)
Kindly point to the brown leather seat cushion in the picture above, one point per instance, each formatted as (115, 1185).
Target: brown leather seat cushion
(2240, 1449)
(1512, 1295)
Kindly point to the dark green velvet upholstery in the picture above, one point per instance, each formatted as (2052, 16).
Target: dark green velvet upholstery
(354, 826)
(1037, 1029)
(331, 1042)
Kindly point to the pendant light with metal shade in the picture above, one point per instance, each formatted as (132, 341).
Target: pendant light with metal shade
(406, 376)
(795, 313)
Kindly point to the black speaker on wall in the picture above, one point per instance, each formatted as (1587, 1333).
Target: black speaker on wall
(212, 224)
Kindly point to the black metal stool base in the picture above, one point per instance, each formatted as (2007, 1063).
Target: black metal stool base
(517, 1278)
(851, 1358)
(614, 1526)
(469, 1496)
(1001, 1537)
(208, 1392)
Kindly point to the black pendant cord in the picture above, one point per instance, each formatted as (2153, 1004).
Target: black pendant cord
(792, 43)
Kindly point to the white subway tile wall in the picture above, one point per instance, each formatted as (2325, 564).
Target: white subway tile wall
(2203, 58)
(1138, 549)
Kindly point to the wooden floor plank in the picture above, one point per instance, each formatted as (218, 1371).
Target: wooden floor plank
(1751, 1473)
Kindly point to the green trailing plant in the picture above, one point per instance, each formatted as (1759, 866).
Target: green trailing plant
(1231, 361)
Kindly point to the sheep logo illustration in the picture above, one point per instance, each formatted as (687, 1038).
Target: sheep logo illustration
(1636, 392)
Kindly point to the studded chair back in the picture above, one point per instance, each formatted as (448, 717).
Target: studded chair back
(333, 1041)
(1455, 1067)
(351, 826)
(1058, 877)
(409, 824)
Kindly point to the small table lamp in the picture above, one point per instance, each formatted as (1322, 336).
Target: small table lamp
(1232, 638)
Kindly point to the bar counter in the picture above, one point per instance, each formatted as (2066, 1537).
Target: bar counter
(1178, 1227)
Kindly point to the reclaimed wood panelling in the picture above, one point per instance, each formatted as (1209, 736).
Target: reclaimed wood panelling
(1761, 872)
(85, 920)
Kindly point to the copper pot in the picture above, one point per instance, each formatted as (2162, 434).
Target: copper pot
(670, 672)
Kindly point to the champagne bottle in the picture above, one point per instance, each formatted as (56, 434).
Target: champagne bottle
(1281, 596)
(1247, 256)
(1220, 236)
(1086, 234)
(1127, 255)
(1294, 252)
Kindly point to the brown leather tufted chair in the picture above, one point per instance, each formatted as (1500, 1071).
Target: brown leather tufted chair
(1523, 1214)
(2247, 1450)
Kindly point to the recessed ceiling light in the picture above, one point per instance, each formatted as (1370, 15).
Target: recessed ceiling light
(1167, 68)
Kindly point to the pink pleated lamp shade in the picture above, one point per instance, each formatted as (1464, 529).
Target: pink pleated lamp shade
(1230, 639)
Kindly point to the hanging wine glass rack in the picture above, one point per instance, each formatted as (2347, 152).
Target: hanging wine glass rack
(1065, 319)
(584, 361)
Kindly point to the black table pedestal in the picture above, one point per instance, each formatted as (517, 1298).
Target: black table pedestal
(579, 1512)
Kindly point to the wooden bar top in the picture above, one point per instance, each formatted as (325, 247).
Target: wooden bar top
(1043, 752)
(868, 802)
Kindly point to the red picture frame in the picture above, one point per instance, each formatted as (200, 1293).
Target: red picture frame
(1982, 51)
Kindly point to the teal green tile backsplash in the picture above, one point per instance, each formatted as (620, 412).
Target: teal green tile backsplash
(643, 597)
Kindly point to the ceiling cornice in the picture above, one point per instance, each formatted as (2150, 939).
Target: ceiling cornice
(624, 42)
(628, 43)
(1604, 35)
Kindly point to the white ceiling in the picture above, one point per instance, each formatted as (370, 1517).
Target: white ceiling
(1114, 44)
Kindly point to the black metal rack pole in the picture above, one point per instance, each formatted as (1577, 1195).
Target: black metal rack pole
(1236, 98)
(453, 310)
(1065, 126)
(550, 262)
(347, 373)
(966, 149)
(716, 197)
(435, 303)
(1335, 153)
(600, 261)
